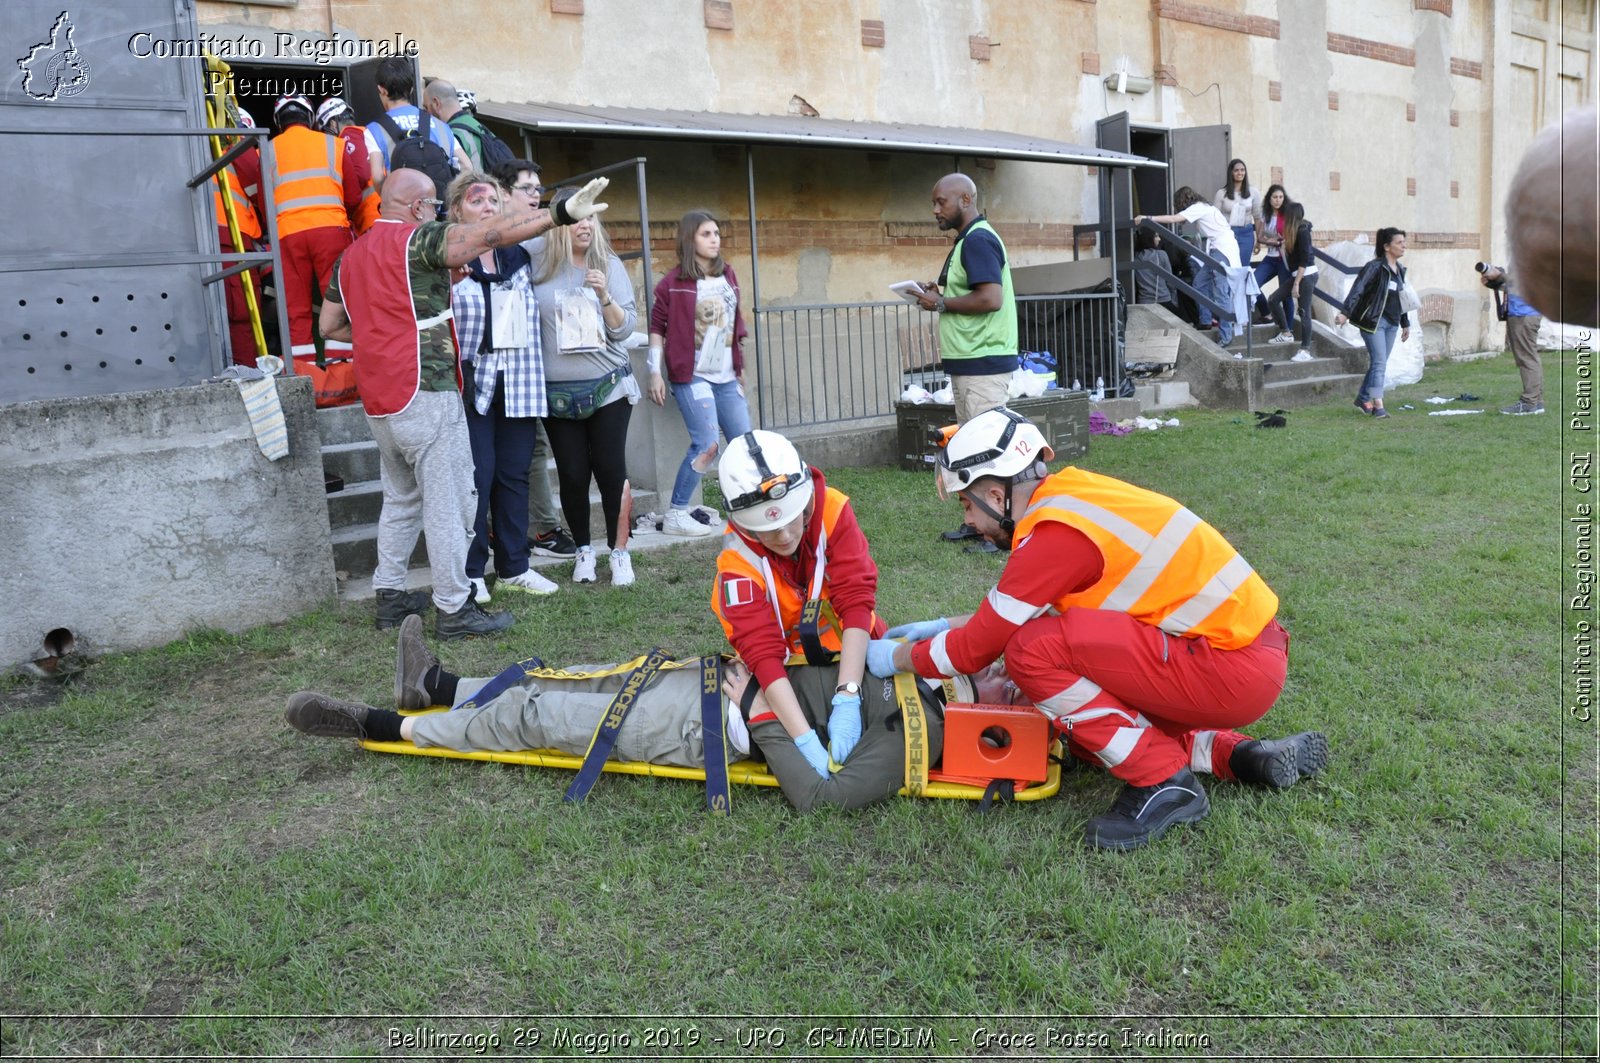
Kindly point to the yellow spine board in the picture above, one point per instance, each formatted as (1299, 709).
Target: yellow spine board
(743, 772)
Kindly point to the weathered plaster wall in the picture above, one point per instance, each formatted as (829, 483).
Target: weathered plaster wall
(1403, 112)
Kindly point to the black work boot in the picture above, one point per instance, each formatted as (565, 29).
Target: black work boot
(1281, 762)
(961, 534)
(470, 619)
(412, 662)
(1141, 814)
(395, 606)
(317, 714)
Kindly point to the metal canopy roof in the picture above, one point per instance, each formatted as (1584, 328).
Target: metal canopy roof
(800, 131)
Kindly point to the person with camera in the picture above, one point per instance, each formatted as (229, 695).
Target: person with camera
(1522, 336)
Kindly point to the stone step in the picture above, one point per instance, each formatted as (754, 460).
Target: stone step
(351, 462)
(1163, 395)
(358, 503)
(353, 518)
(343, 424)
(1308, 391)
(1290, 370)
(355, 550)
(358, 588)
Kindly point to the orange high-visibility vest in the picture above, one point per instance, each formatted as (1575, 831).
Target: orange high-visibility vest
(244, 211)
(739, 558)
(367, 213)
(309, 188)
(1163, 565)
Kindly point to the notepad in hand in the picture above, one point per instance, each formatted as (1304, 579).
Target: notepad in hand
(910, 291)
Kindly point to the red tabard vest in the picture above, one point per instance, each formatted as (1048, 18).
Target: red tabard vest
(375, 286)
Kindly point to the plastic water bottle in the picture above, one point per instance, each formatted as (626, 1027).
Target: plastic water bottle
(1099, 388)
(1077, 385)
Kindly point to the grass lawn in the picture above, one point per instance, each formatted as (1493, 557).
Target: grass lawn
(180, 865)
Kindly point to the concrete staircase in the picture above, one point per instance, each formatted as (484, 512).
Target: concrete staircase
(350, 454)
(1262, 377)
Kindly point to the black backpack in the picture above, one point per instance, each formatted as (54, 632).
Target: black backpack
(492, 151)
(417, 151)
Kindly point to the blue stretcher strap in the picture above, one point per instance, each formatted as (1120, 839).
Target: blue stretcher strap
(719, 798)
(816, 618)
(605, 735)
(503, 682)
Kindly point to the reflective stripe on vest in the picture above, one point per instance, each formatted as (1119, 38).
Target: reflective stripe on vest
(1162, 564)
(739, 558)
(243, 210)
(310, 181)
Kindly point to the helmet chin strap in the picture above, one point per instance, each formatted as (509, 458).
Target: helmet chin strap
(1008, 525)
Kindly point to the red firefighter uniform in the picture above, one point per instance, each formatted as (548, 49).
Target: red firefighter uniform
(1130, 621)
(759, 596)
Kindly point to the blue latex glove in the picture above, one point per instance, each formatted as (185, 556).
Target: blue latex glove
(844, 725)
(810, 746)
(880, 657)
(922, 629)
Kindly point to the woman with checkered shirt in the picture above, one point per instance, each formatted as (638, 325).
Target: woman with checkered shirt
(502, 370)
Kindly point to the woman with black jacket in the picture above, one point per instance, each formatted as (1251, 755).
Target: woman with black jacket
(1301, 283)
(1373, 306)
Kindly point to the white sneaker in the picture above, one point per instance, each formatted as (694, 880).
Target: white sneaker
(531, 582)
(621, 569)
(679, 522)
(480, 590)
(1303, 355)
(583, 567)
(1282, 337)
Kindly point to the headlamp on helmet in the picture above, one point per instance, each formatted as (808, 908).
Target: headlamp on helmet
(998, 442)
(765, 483)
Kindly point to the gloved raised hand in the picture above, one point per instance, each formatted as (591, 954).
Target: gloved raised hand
(844, 725)
(582, 204)
(922, 629)
(880, 657)
(810, 747)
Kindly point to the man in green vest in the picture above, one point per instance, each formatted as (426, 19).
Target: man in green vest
(977, 312)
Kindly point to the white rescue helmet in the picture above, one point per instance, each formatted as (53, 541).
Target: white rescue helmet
(998, 442)
(291, 102)
(764, 482)
(330, 113)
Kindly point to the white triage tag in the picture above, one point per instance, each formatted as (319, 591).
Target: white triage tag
(509, 310)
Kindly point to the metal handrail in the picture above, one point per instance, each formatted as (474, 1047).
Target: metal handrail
(1206, 262)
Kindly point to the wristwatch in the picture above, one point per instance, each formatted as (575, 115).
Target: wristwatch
(853, 689)
(938, 305)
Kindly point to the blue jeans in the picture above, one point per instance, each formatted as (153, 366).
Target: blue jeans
(502, 450)
(1246, 235)
(1380, 341)
(705, 406)
(1214, 285)
(1273, 266)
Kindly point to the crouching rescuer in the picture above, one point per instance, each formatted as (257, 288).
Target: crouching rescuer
(1123, 616)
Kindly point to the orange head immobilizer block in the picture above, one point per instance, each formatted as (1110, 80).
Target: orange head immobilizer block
(985, 742)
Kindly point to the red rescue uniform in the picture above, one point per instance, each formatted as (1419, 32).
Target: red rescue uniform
(1132, 623)
(242, 179)
(758, 596)
(315, 196)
